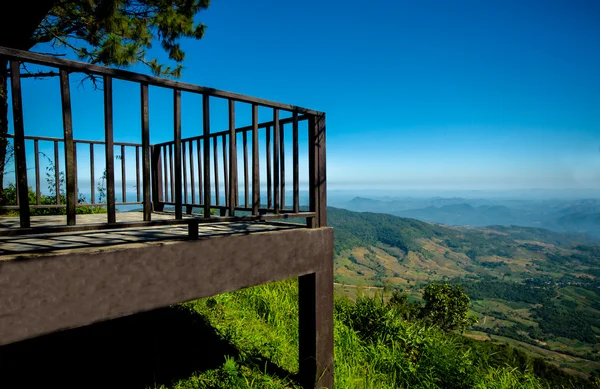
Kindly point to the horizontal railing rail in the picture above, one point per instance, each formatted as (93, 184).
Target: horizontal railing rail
(212, 171)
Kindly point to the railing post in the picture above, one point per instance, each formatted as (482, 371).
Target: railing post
(69, 147)
(233, 180)
(255, 162)
(109, 150)
(146, 154)
(177, 146)
(206, 152)
(157, 179)
(317, 171)
(315, 290)
(19, 145)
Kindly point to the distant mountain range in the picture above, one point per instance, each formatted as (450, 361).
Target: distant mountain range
(576, 216)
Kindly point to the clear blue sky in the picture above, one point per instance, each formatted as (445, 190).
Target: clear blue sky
(418, 94)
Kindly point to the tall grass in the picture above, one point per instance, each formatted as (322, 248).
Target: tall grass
(374, 347)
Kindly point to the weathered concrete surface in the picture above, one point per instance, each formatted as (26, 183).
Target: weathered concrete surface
(49, 293)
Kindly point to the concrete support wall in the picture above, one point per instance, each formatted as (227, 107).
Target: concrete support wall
(46, 294)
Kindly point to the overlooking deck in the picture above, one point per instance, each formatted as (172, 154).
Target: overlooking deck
(129, 226)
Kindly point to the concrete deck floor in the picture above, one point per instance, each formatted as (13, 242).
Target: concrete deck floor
(15, 247)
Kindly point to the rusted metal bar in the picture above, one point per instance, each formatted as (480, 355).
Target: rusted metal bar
(56, 173)
(109, 151)
(177, 137)
(255, 162)
(83, 141)
(19, 145)
(233, 183)
(216, 170)
(269, 183)
(225, 173)
(76, 66)
(146, 171)
(206, 152)
(123, 176)
(92, 176)
(296, 183)
(276, 170)
(69, 147)
(192, 178)
(245, 143)
(282, 164)
(137, 174)
(184, 163)
(38, 189)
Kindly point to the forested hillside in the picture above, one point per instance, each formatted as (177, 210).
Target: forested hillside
(529, 286)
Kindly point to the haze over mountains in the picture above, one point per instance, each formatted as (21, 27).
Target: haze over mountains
(561, 214)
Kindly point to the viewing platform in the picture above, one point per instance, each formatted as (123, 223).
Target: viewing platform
(209, 213)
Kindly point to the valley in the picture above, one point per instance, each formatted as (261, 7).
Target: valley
(531, 287)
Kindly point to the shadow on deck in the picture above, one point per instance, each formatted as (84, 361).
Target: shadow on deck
(144, 350)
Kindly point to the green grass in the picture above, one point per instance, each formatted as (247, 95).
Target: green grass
(374, 347)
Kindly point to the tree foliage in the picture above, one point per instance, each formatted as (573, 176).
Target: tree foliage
(446, 306)
(104, 32)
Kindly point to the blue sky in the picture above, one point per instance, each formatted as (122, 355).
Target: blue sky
(418, 94)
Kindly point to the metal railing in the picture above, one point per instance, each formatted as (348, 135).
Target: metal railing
(182, 174)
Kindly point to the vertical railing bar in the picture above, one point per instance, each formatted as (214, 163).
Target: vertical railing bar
(282, 165)
(157, 204)
(123, 178)
(255, 162)
(75, 173)
(92, 176)
(177, 146)
(296, 183)
(206, 152)
(192, 178)
(269, 183)
(69, 146)
(216, 170)
(185, 184)
(145, 112)
(19, 145)
(233, 184)
(167, 179)
(56, 173)
(245, 143)
(276, 170)
(137, 173)
(171, 173)
(225, 173)
(109, 151)
(200, 172)
(38, 189)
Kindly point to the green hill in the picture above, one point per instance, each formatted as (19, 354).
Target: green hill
(536, 287)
